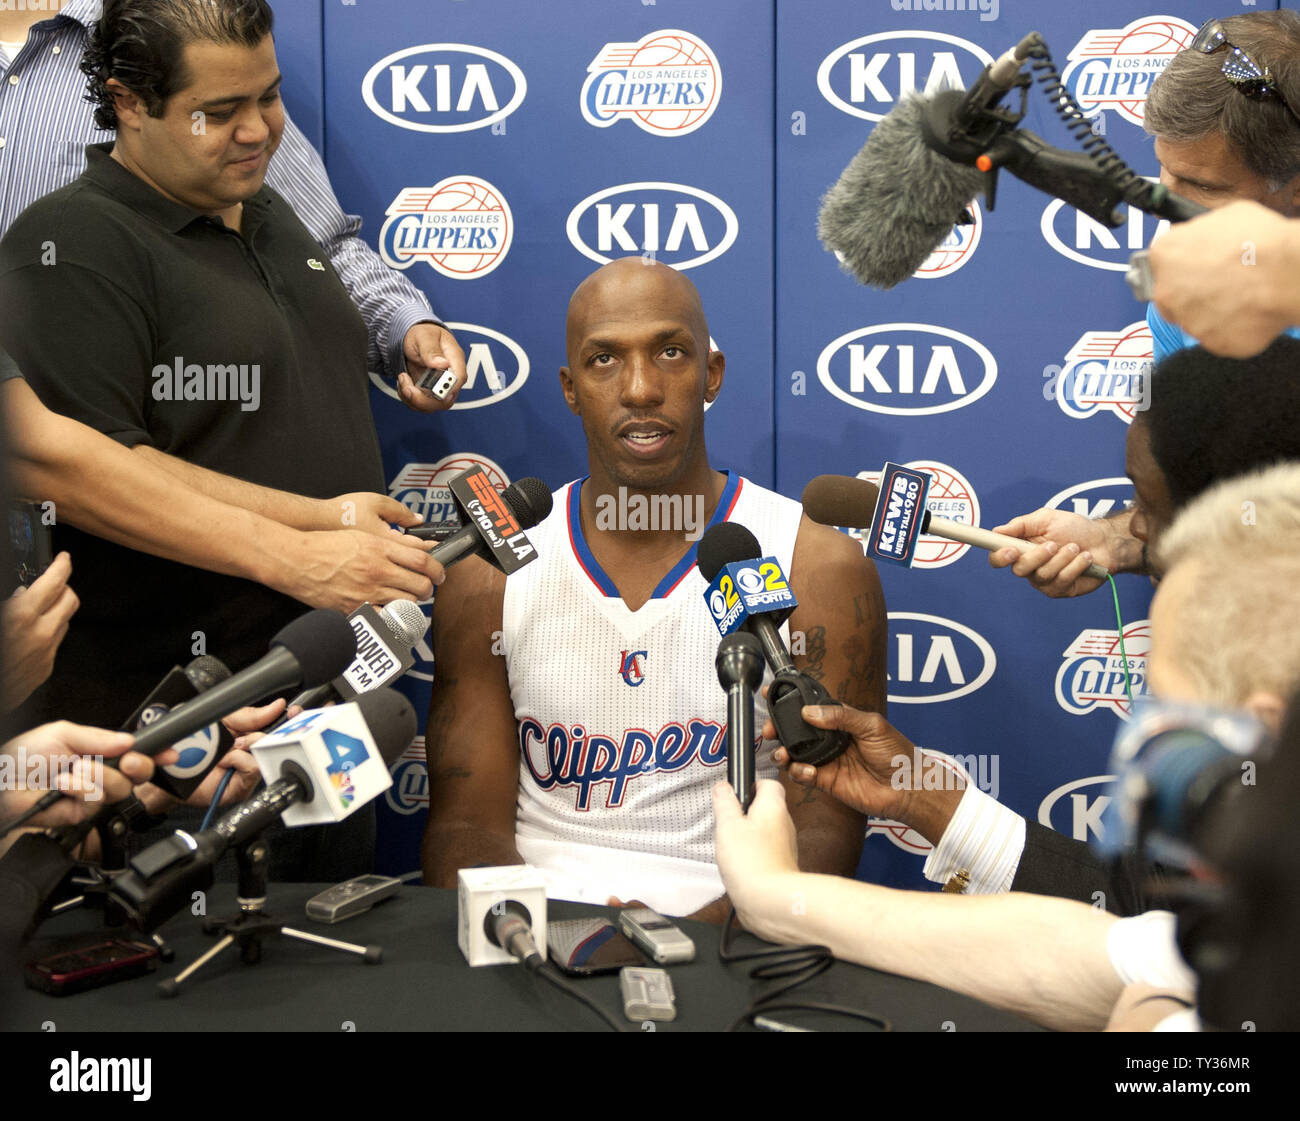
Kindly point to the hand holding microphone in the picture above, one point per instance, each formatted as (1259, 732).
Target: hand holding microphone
(749, 591)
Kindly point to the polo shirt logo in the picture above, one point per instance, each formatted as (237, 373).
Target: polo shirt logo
(315, 264)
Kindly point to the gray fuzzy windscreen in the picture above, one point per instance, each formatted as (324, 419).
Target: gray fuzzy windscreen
(896, 201)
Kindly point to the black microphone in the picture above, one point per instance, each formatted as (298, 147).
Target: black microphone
(309, 651)
(200, 751)
(739, 663)
(791, 689)
(385, 643)
(528, 499)
(159, 880)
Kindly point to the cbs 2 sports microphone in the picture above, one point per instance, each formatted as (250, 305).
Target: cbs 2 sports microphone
(320, 768)
(895, 525)
(749, 590)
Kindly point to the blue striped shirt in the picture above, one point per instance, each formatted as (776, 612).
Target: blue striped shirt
(46, 123)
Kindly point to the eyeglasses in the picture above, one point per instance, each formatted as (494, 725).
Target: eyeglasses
(1243, 72)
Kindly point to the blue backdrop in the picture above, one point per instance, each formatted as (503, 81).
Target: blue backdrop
(497, 150)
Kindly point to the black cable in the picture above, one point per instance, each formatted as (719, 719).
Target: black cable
(799, 964)
(548, 972)
(31, 811)
(1108, 161)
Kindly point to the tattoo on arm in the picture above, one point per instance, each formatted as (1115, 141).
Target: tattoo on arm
(455, 772)
(815, 653)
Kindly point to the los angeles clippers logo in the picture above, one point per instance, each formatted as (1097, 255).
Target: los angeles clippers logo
(568, 756)
(1095, 666)
(631, 667)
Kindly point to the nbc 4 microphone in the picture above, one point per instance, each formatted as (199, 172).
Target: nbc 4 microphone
(896, 525)
(748, 590)
(320, 768)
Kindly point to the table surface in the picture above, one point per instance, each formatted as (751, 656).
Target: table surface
(424, 983)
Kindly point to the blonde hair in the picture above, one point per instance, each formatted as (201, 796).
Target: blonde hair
(1239, 630)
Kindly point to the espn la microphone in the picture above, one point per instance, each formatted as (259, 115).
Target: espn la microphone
(492, 521)
(199, 751)
(838, 500)
(320, 768)
(749, 590)
(739, 663)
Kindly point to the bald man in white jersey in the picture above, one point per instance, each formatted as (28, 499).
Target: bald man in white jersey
(576, 722)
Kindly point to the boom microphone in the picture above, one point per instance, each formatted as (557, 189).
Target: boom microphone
(837, 500)
(896, 201)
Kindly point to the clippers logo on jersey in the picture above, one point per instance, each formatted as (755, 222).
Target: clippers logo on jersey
(563, 756)
(631, 666)
(900, 835)
(1107, 371)
(1075, 808)
(934, 659)
(867, 77)
(460, 227)
(906, 369)
(496, 367)
(195, 752)
(1084, 240)
(1097, 498)
(1092, 672)
(950, 496)
(444, 87)
(410, 790)
(957, 248)
(681, 226)
(667, 83)
(1113, 68)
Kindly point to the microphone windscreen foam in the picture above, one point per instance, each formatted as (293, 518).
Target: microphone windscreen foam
(725, 543)
(529, 499)
(391, 720)
(840, 500)
(896, 201)
(323, 643)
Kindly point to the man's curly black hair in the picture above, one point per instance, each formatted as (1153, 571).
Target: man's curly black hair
(140, 43)
(1215, 418)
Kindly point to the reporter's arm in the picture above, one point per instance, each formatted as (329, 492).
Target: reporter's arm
(139, 499)
(1043, 958)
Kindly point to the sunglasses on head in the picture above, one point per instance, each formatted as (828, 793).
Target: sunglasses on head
(1243, 72)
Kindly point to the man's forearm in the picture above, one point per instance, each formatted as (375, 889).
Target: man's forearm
(447, 849)
(1045, 959)
(293, 510)
(100, 487)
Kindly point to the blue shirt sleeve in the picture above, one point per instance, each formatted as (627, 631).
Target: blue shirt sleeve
(1165, 337)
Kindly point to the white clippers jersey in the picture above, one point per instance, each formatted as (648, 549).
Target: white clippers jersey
(622, 722)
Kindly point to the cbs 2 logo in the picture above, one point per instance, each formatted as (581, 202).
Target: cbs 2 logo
(769, 574)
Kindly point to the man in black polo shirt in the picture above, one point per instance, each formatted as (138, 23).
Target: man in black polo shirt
(171, 302)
